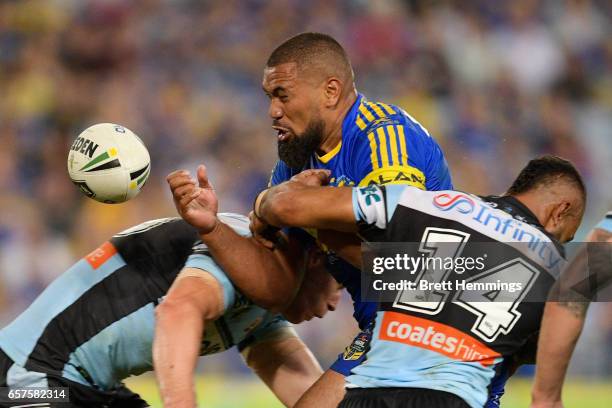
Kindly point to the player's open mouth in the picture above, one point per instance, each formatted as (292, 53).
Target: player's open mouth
(282, 133)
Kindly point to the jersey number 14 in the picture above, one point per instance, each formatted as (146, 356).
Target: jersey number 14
(494, 314)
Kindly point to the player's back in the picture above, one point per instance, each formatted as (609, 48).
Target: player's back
(95, 323)
(454, 338)
(98, 296)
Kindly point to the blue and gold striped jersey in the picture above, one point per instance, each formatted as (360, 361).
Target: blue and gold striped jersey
(381, 144)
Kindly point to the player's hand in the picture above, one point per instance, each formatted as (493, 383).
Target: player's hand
(260, 231)
(312, 177)
(196, 203)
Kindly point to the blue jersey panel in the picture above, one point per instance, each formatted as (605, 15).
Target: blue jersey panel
(19, 338)
(207, 264)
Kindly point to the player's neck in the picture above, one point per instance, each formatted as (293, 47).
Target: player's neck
(536, 204)
(334, 135)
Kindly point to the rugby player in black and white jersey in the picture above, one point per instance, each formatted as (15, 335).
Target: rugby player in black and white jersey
(153, 295)
(544, 205)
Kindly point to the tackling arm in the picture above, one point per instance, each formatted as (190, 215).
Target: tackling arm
(270, 278)
(195, 297)
(298, 205)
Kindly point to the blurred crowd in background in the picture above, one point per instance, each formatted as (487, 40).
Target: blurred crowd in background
(495, 82)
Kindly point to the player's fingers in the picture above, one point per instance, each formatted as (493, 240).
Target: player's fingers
(322, 176)
(180, 180)
(176, 174)
(203, 180)
(183, 190)
(188, 198)
(257, 225)
(313, 177)
(179, 189)
(265, 242)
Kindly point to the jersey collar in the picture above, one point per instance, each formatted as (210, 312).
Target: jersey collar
(521, 212)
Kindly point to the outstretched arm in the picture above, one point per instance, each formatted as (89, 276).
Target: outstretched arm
(194, 298)
(270, 278)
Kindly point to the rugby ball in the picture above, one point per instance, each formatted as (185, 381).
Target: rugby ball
(109, 163)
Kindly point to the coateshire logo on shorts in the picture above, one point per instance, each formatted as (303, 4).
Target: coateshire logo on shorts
(446, 202)
(437, 337)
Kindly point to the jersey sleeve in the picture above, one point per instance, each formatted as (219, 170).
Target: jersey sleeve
(200, 258)
(274, 327)
(437, 174)
(374, 206)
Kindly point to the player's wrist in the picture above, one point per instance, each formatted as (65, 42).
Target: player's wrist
(212, 230)
(542, 399)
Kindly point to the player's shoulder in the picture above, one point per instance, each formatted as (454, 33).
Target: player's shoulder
(369, 118)
(152, 235)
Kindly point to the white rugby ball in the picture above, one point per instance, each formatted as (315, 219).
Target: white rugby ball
(109, 163)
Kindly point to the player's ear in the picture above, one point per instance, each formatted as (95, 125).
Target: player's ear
(560, 213)
(333, 90)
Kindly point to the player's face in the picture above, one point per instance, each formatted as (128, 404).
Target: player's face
(294, 109)
(318, 294)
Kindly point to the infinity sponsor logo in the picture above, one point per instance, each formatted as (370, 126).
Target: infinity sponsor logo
(436, 337)
(446, 202)
(511, 228)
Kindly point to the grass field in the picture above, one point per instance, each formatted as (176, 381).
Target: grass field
(223, 392)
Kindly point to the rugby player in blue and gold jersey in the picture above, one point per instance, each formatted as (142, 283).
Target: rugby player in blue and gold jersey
(322, 122)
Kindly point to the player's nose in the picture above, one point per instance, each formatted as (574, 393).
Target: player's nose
(274, 110)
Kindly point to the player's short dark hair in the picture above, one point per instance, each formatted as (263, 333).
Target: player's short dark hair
(545, 170)
(308, 49)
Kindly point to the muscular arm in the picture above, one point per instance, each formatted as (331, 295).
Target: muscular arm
(194, 298)
(294, 204)
(285, 364)
(270, 278)
(556, 345)
(561, 327)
